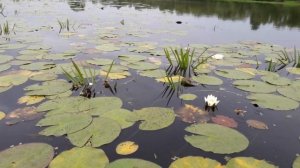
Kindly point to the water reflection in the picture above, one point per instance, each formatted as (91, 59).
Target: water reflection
(258, 14)
(77, 5)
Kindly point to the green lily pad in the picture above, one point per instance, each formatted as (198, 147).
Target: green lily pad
(272, 101)
(207, 80)
(5, 88)
(293, 70)
(188, 96)
(64, 123)
(121, 116)
(195, 162)
(254, 86)
(44, 77)
(154, 118)
(35, 66)
(157, 73)
(48, 88)
(5, 58)
(276, 80)
(233, 74)
(19, 62)
(2, 115)
(296, 163)
(101, 131)
(31, 155)
(132, 58)
(115, 68)
(143, 66)
(132, 163)
(4, 67)
(245, 162)
(100, 61)
(85, 157)
(216, 138)
(291, 91)
(60, 56)
(108, 47)
(12, 79)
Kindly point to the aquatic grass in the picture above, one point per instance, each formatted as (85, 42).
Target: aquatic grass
(286, 58)
(184, 63)
(4, 29)
(65, 25)
(271, 66)
(106, 84)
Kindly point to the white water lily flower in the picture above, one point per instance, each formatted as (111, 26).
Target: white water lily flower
(90, 84)
(218, 56)
(211, 100)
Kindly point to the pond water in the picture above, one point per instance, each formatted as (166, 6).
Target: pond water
(44, 35)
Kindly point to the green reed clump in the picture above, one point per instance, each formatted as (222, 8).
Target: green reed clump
(4, 29)
(64, 25)
(76, 76)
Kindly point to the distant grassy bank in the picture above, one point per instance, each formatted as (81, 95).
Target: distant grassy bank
(283, 2)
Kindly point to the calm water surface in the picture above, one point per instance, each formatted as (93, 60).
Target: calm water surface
(204, 22)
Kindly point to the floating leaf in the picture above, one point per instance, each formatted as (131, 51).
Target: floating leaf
(293, 70)
(31, 155)
(35, 66)
(192, 114)
(157, 73)
(276, 80)
(5, 58)
(101, 131)
(175, 79)
(257, 124)
(207, 80)
(154, 118)
(80, 158)
(48, 88)
(121, 116)
(64, 124)
(225, 121)
(132, 163)
(296, 163)
(143, 66)
(233, 74)
(43, 77)
(132, 58)
(291, 91)
(29, 100)
(216, 138)
(245, 162)
(100, 61)
(2, 115)
(272, 101)
(22, 114)
(195, 162)
(115, 75)
(188, 96)
(4, 67)
(108, 47)
(254, 86)
(127, 148)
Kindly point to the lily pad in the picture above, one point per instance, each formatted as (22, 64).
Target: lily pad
(154, 118)
(245, 162)
(35, 66)
(22, 114)
(108, 47)
(43, 77)
(195, 162)
(48, 88)
(5, 58)
(64, 124)
(29, 100)
(101, 131)
(100, 61)
(143, 66)
(225, 121)
(254, 86)
(296, 163)
(132, 163)
(233, 74)
(272, 101)
(291, 91)
(157, 73)
(2, 115)
(31, 155)
(207, 80)
(132, 58)
(192, 114)
(79, 158)
(188, 96)
(127, 148)
(257, 124)
(4, 67)
(121, 116)
(276, 80)
(216, 138)
(293, 70)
